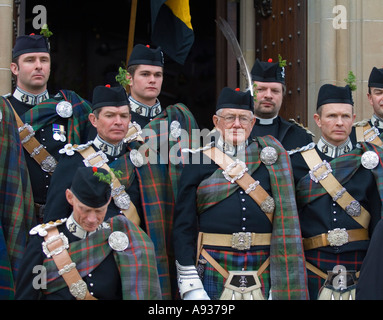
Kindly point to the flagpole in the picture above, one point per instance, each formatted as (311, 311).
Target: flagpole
(132, 27)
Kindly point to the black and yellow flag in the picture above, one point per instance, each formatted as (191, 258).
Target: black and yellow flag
(171, 28)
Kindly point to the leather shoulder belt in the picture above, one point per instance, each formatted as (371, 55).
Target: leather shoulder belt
(93, 158)
(320, 171)
(235, 171)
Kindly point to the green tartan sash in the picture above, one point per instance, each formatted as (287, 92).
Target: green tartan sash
(343, 168)
(287, 264)
(45, 113)
(137, 264)
(175, 158)
(16, 202)
(159, 183)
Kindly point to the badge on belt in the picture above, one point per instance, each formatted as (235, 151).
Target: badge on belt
(59, 132)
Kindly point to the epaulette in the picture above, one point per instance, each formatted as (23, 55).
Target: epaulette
(310, 146)
(42, 229)
(361, 123)
(301, 126)
(69, 149)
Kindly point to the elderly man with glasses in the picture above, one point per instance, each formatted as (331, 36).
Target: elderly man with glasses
(234, 237)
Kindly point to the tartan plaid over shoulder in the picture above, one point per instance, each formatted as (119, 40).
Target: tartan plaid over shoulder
(343, 168)
(163, 137)
(137, 264)
(16, 201)
(287, 264)
(45, 113)
(158, 208)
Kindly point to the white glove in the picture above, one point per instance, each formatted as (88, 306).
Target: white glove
(189, 283)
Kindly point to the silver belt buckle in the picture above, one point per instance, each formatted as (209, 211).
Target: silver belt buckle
(30, 130)
(241, 241)
(337, 237)
(58, 250)
(324, 175)
(231, 166)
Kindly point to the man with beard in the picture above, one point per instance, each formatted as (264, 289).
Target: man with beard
(269, 90)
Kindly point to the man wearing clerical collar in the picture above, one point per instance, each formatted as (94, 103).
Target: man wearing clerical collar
(269, 90)
(114, 251)
(46, 121)
(228, 207)
(338, 196)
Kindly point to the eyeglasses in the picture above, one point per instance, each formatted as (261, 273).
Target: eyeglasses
(230, 119)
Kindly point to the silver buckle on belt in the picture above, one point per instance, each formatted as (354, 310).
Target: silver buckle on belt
(324, 175)
(231, 166)
(241, 241)
(58, 250)
(30, 135)
(337, 237)
(94, 155)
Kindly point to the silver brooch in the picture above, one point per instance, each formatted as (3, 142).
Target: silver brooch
(118, 241)
(48, 164)
(122, 201)
(78, 289)
(370, 160)
(175, 129)
(269, 155)
(268, 205)
(136, 158)
(64, 109)
(353, 209)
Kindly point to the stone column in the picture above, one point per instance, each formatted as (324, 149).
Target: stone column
(6, 20)
(343, 36)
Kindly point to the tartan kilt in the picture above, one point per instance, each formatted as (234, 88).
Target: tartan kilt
(214, 282)
(325, 261)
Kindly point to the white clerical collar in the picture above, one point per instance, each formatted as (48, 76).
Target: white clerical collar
(75, 229)
(334, 151)
(377, 122)
(108, 148)
(229, 149)
(30, 98)
(145, 110)
(265, 121)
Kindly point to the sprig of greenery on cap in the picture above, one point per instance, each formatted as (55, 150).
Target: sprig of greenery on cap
(351, 81)
(108, 178)
(45, 31)
(121, 78)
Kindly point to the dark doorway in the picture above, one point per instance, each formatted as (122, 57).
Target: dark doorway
(89, 44)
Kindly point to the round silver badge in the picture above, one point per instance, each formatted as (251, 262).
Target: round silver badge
(64, 109)
(175, 129)
(269, 155)
(118, 241)
(136, 158)
(370, 160)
